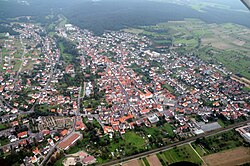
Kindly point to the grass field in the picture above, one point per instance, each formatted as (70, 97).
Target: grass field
(131, 142)
(2, 127)
(4, 141)
(221, 123)
(131, 138)
(67, 58)
(182, 153)
(168, 128)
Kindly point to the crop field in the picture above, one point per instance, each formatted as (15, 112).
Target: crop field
(235, 156)
(153, 160)
(133, 163)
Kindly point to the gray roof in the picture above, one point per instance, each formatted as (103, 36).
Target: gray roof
(210, 126)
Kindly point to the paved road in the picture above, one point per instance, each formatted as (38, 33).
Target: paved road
(190, 140)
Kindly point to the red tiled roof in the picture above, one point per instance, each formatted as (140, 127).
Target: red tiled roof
(22, 134)
(68, 142)
(64, 132)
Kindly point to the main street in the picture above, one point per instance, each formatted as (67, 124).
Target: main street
(167, 147)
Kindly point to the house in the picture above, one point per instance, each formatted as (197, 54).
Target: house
(13, 138)
(89, 160)
(23, 134)
(6, 149)
(14, 123)
(36, 151)
(56, 138)
(23, 142)
(107, 129)
(39, 137)
(153, 119)
(51, 142)
(64, 132)
(34, 159)
(80, 125)
(45, 132)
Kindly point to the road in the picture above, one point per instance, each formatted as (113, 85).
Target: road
(189, 140)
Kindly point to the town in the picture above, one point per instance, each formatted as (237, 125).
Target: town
(65, 92)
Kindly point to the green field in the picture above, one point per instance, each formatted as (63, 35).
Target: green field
(131, 142)
(145, 161)
(67, 58)
(2, 126)
(131, 138)
(221, 123)
(168, 128)
(177, 154)
(4, 141)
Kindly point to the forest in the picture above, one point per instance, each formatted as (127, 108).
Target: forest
(99, 16)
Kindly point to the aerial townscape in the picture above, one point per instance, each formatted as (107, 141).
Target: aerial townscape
(153, 95)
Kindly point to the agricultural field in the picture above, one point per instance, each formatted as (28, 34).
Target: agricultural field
(153, 160)
(178, 154)
(237, 156)
(134, 163)
(227, 44)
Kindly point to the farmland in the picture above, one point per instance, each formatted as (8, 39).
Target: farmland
(225, 44)
(154, 160)
(134, 163)
(177, 154)
(235, 156)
